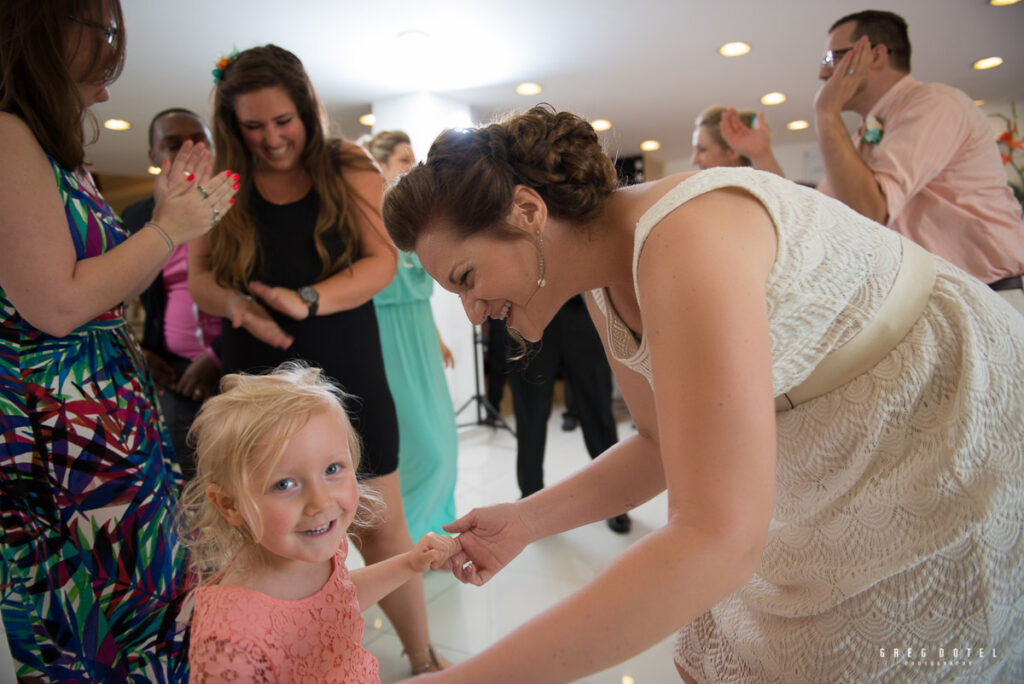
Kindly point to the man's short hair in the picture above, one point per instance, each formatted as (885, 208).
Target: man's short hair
(882, 28)
(171, 110)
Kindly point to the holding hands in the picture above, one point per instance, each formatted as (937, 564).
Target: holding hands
(188, 199)
(489, 538)
(432, 552)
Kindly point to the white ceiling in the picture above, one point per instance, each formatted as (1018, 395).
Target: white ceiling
(649, 66)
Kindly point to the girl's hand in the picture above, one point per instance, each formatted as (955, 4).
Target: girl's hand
(490, 538)
(189, 200)
(246, 312)
(282, 299)
(432, 551)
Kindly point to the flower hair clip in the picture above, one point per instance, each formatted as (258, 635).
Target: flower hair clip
(222, 64)
(872, 130)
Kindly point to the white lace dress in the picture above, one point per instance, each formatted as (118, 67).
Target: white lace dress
(896, 551)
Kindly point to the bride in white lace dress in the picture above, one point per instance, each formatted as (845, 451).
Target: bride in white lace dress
(838, 417)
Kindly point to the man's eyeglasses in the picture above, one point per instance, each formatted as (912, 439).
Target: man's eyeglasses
(833, 57)
(108, 31)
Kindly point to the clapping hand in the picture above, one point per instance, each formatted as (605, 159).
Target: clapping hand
(751, 142)
(283, 299)
(246, 312)
(189, 199)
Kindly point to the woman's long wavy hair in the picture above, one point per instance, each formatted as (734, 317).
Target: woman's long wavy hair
(36, 83)
(234, 251)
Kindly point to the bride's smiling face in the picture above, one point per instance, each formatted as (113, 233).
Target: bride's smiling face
(495, 277)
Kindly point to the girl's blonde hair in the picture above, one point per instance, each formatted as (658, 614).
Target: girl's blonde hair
(239, 436)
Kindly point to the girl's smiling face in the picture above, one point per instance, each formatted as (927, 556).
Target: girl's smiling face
(311, 495)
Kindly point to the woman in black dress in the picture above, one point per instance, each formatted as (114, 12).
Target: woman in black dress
(295, 271)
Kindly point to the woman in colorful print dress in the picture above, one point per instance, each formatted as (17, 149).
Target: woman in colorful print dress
(92, 574)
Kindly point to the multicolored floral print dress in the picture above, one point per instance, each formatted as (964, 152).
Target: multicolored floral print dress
(92, 575)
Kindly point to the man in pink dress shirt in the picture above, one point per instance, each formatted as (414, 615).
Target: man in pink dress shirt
(924, 161)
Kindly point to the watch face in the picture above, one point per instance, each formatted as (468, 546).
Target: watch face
(308, 294)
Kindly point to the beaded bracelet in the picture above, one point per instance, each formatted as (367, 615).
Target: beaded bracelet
(163, 233)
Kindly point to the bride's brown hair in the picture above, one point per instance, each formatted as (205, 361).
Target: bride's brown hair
(470, 175)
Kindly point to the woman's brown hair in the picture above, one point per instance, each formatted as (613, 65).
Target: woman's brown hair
(470, 175)
(36, 83)
(234, 251)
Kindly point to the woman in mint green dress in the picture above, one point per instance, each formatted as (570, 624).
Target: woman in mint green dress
(414, 360)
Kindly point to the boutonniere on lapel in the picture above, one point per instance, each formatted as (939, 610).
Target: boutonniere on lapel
(872, 130)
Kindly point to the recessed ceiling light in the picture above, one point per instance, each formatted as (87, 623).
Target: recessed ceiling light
(988, 63)
(368, 119)
(773, 98)
(528, 88)
(601, 124)
(116, 125)
(153, 170)
(734, 49)
(1001, 3)
(797, 125)
(979, 102)
(650, 145)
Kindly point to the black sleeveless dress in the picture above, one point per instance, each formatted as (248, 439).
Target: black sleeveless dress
(346, 345)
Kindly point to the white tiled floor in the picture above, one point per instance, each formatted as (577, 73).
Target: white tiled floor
(465, 619)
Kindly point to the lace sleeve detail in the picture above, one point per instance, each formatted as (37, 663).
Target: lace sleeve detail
(215, 659)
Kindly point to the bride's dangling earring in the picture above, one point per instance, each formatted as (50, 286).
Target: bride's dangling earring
(541, 281)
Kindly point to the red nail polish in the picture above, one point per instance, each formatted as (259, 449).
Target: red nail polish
(190, 176)
(235, 186)
(231, 201)
(237, 176)
(228, 173)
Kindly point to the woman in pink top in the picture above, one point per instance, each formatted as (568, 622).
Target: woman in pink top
(267, 513)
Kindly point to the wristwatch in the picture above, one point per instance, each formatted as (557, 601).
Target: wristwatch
(311, 297)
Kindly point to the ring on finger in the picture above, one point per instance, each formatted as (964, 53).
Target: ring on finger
(216, 214)
(850, 72)
(202, 191)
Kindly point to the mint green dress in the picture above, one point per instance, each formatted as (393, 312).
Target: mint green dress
(428, 441)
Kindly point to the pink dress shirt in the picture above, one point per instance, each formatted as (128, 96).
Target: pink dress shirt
(187, 330)
(938, 166)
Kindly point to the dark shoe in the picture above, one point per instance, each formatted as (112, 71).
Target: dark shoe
(620, 524)
(569, 422)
